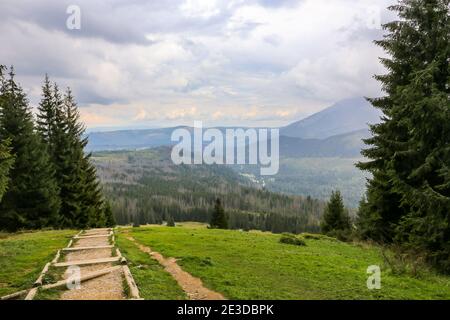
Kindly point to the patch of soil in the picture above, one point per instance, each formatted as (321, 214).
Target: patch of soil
(191, 285)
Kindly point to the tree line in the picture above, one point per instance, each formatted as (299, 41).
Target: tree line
(146, 187)
(46, 179)
(407, 203)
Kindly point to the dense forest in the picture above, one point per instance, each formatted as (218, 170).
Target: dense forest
(408, 198)
(146, 187)
(46, 179)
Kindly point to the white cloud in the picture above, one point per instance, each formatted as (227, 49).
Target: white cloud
(221, 61)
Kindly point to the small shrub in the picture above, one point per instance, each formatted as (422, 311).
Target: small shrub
(136, 224)
(287, 238)
(170, 222)
(202, 262)
(310, 236)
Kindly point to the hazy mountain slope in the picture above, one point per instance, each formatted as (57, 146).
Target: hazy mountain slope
(129, 139)
(345, 116)
(343, 145)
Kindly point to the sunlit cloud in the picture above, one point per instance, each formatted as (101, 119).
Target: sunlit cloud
(138, 63)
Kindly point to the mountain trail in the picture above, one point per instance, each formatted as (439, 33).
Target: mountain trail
(191, 285)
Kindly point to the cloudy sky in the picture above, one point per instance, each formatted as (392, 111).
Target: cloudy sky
(136, 63)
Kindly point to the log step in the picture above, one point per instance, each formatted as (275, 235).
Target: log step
(96, 236)
(84, 262)
(87, 248)
(86, 277)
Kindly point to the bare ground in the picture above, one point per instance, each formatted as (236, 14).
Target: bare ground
(191, 285)
(107, 287)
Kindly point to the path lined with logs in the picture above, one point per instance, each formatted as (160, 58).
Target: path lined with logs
(91, 256)
(92, 261)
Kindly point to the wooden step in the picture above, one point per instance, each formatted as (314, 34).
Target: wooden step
(87, 248)
(85, 277)
(95, 236)
(84, 262)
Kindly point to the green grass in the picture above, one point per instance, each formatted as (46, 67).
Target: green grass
(153, 282)
(255, 265)
(23, 255)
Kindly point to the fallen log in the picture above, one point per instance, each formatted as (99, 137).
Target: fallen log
(85, 277)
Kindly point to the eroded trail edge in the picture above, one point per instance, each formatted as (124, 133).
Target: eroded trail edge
(191, 285)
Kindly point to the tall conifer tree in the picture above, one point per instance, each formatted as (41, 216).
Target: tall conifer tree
(31, 200)
(408, 198)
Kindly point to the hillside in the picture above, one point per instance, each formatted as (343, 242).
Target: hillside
(322, 269)
(314, 176)
(347, 145)
(343, 117)
(146, 187)
(255, 265)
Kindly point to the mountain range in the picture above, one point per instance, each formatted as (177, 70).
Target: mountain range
(333, 132)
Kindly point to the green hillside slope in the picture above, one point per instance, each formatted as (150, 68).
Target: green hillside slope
(255, 265)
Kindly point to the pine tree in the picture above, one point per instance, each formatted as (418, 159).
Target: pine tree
(336, 217)
(72, 181)
(31, 200)
(46, 116)
(170, 222)
(6, 163)
(408, 198)
(110, 220)
(92, 209)
(219, 219)
(92, 197)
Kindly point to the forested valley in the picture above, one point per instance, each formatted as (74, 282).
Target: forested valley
(146, 187)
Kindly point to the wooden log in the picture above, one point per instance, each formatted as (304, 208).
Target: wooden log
(96, 236)
(38, 282)
(70, 243)
(134, 291)
(84, 262)
(55, 260)
(97, 231)
(31, 294)
(14, 295)
(86, 277)
(87, 248)
(123, 260)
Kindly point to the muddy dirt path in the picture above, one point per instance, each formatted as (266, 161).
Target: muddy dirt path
(191, 285)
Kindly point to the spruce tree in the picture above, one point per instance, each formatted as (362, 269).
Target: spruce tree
(72, 180)
(6, 163)
(219, 219)
(170, 222)
(335, 217)
(92, 210)
(92, 198)
(110, 220)
(31, 200)
(408, 198)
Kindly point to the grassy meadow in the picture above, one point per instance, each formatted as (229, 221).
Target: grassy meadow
(255, 265)
(23, 255)
(240, 265)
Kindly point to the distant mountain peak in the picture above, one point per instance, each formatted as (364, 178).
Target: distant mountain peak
(342, 117)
